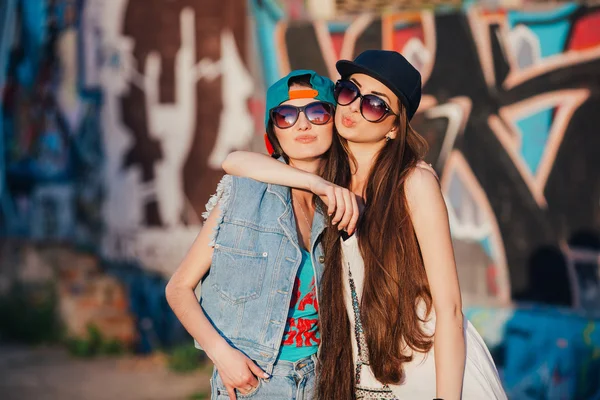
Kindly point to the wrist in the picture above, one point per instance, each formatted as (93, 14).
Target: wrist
(312, 181)
(216, 349)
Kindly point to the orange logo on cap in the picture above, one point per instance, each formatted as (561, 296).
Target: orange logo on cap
(303, 94)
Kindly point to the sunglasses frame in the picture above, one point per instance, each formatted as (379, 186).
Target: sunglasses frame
(302, 109)
(387, 112)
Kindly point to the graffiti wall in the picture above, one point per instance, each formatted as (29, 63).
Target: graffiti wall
(116, 116)
(175, 104)
(113, 133)
(542, 352)
(510, 112)
(52, 155)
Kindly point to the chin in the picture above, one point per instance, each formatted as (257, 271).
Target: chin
(307, 155)
(351, 134)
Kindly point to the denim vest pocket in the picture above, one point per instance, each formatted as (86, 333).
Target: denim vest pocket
(239, 274)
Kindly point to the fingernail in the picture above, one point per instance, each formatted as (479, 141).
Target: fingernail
(266, 376)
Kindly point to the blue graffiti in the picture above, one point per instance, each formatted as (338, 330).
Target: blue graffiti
(34, 37)
(535, 131)
(545, 352)
(550, 27)
(156, 323)
(267, 14)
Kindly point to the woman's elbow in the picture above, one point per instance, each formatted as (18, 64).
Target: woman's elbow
(171, 291)
(229, 163)
(226, 163)
(449, 311)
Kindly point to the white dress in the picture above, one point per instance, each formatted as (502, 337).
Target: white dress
(480, 382)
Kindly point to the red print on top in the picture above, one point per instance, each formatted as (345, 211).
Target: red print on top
(302, 331)
(310, 298)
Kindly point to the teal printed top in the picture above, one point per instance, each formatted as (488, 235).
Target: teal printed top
(301, 337)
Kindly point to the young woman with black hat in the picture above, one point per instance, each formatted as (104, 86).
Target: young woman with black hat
(398, 330)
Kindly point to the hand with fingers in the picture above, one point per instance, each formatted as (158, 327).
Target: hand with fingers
(342, 204)
(237, 371)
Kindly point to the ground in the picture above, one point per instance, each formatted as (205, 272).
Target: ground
(51, 373)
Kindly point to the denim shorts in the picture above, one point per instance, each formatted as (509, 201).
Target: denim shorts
(288, 381)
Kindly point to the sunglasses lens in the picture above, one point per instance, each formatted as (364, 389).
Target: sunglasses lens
(284, 116)
(373, 108)
(345, 92)
(319, 113)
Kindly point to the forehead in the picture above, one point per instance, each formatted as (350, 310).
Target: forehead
(298, 102)
(369, 84)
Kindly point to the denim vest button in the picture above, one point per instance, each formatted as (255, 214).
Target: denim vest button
(265, 254)
(321, 259)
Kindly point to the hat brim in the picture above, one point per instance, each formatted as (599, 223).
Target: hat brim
(347, 68)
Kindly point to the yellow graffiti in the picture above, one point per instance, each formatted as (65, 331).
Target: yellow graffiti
(587, 333)
(480, 319)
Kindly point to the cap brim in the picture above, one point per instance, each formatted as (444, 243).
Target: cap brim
(347, 68)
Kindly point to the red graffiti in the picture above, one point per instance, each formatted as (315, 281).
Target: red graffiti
(585, 34)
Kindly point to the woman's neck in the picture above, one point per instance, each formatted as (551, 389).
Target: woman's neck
(310, 166)
(364, 154)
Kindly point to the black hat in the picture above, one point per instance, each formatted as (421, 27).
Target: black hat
(391, 69)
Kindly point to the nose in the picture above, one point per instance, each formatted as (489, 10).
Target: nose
(303, 123)
(355, 105)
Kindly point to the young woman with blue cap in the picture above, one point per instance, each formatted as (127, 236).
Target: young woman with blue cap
(259, 260)
(391, 312)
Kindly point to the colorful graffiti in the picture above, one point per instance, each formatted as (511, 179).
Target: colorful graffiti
(171, 102)
(508, 110)
(113, 133)
(542, 352)
(175, 104)
(51, 131)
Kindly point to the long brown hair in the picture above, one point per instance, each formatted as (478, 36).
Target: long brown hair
(395, 277)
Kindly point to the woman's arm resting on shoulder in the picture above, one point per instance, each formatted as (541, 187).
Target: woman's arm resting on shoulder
(430, 219)
(266, 169)
(236, 370)
(341, 203)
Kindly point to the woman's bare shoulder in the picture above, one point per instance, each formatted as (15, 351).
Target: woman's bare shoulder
(421, 184)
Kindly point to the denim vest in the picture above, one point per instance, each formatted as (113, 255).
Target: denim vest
(247, 291)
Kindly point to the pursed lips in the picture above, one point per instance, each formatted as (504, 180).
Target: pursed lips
(348, 122)
(306, 138)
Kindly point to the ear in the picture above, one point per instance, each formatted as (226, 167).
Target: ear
(393, 132)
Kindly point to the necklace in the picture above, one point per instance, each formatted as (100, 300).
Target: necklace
(303, 213)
